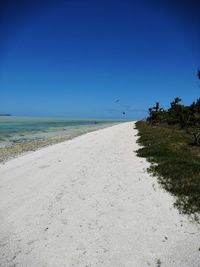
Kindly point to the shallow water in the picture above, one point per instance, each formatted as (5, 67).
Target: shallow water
(22, 129)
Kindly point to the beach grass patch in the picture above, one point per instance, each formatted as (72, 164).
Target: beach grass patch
(174, 161)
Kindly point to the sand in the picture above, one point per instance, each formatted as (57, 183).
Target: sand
(31, 142)
(90, 202)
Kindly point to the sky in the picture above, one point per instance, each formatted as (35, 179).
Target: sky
(96, 59)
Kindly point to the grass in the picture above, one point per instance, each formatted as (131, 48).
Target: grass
(175, 161)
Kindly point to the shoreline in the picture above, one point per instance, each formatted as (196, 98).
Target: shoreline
(13, 151)
(90, 202)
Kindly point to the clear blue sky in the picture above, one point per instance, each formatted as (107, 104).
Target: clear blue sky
(76, 58)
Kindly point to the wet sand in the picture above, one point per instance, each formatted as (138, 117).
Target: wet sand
(40, 140)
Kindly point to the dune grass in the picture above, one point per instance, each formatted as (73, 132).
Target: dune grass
(175, 161)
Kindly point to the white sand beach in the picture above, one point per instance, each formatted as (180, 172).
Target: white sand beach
(90, 202)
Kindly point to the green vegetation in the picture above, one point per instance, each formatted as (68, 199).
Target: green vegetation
(174, 161)
(171, 143)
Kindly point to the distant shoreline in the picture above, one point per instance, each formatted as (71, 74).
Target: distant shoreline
(15, 150)
(5, 115)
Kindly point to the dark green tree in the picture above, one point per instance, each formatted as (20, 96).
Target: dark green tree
(156, 114)
(198, 74)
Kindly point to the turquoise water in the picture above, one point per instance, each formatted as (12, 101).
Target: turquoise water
(21, 129)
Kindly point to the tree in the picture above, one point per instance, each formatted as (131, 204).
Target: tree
(155, 114)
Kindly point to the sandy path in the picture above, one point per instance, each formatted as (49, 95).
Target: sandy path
(88, 202)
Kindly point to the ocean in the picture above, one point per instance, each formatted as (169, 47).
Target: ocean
(16, 130)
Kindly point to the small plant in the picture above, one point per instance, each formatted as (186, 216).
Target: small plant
(158, 262)
(196, 135)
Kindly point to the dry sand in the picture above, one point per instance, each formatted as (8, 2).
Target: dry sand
(89, 202)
